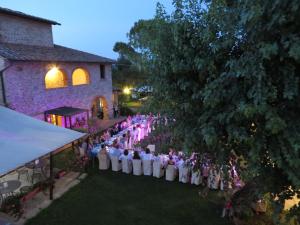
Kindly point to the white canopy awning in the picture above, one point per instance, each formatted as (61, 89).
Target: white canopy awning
(23, 139)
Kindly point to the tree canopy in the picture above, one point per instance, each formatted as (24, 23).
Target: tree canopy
(127, 71)
(228, 72)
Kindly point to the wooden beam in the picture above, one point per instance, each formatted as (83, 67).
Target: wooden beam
(70, 120)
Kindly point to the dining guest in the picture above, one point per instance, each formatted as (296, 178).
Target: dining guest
(171, 152)
(119, 127)
(136, 155)
(96, 139)
(124, 125)
(180, 161)
(103, 150)
(122, 142)
(147, 155)
(156, 157)
(166, 121)
(129, 120)
(126, 155)
(171, 161)
(205, 173)
(115, 150)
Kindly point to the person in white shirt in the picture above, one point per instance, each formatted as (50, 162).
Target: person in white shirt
(147, 155)
(180, 161)
(156, 157)
(126, 155)
(115, 151)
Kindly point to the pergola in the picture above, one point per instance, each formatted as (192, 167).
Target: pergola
(24, 139)
(67, 113)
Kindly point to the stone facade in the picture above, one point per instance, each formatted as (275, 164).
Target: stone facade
(26, 92)
(18, 30)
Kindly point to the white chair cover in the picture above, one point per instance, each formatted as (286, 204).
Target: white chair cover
(222, 185)
(158, 171)
(171, 172)
(115, 164)
(126, 166)
(184, 174)
(103, 161)
(216, 181)
(196, 178)
(137, 167)
(147, 167)
(151, 148)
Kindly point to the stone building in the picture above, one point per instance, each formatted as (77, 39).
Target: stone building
(61, 85)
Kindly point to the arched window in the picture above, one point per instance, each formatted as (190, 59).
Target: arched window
(55, 78)
(80, 76)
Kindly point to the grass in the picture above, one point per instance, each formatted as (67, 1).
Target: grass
(133, 104)
(111, 198)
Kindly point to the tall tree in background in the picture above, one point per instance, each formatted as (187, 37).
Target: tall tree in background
(127, 71)
(228, 72)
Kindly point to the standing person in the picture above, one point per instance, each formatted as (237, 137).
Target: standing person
(135, 134)
(128, 140)
(140, 133)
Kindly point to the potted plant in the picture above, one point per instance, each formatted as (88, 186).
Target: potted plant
(13, 206)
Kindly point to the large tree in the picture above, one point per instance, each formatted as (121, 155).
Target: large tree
(228, 72)
(127, 72)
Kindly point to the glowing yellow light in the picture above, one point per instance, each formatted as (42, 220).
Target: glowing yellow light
(80, 76)
(55, 78)
(126, 91)
(52, 73)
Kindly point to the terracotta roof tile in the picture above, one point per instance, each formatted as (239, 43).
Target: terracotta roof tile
(56, 53)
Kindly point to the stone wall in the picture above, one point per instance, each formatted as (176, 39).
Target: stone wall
(26, 92)
(25, 31)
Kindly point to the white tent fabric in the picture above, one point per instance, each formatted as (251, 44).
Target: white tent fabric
(23, 139)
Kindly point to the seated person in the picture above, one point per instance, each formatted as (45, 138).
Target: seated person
(136, 155)
(156, 157)
(115, 150)
(126, 155)
(147, 155)
(103, 150)
(96, 140)
(106, 135)
(171, 152)
(171, 161)
(180, 161)
(122, 141)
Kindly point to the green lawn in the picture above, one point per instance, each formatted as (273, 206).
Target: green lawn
(133, 104)
(113, 198)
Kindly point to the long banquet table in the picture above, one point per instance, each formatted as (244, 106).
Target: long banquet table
(95, 150)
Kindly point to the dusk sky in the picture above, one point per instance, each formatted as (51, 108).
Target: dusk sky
(91, 25)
